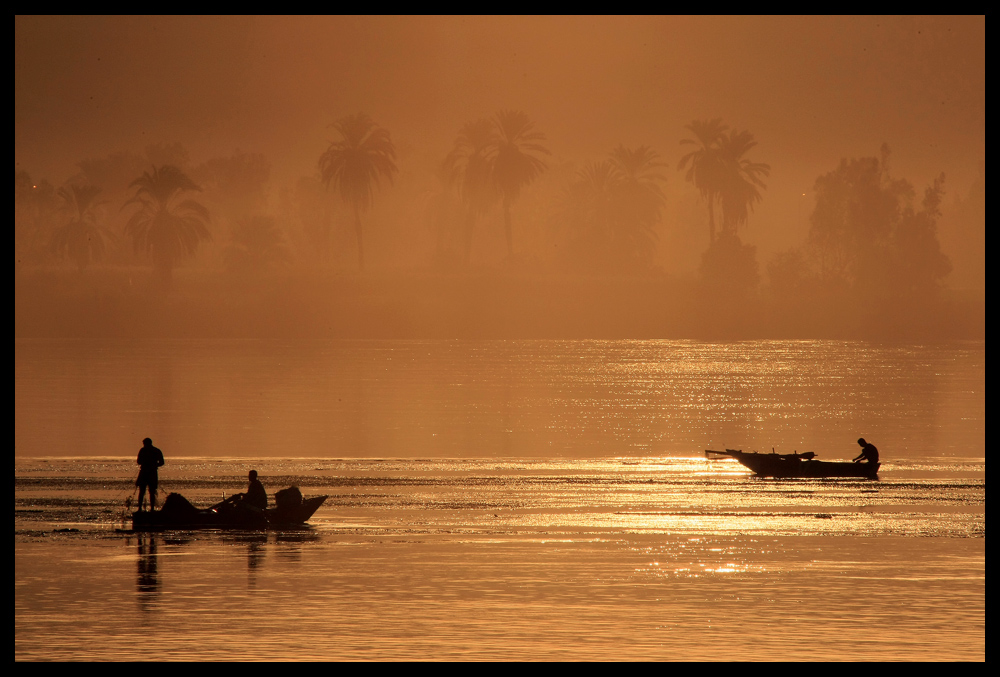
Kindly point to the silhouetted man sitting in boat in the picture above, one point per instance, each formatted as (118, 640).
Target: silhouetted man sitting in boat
(255, 496)
(149, 459)
(868, 452)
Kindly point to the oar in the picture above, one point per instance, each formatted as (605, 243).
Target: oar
(226, 501)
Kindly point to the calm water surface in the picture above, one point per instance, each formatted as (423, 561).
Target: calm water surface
(509, 500)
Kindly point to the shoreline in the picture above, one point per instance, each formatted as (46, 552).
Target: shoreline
(486, 304)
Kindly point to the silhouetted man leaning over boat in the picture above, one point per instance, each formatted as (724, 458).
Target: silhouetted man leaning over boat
(149, 459)
(868, 452)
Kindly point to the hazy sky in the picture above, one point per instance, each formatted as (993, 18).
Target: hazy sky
(812, 89)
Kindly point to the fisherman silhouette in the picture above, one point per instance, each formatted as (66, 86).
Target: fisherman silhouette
(256, 496)
(868, 452)
(149, 459)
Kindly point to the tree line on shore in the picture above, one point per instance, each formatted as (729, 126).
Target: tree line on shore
(869, 235)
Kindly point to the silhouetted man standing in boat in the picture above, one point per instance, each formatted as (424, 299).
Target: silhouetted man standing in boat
(149, 459)
(256, 496)
(868, 452)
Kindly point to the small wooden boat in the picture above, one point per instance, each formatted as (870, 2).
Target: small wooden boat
(290, 510)
(797, 465)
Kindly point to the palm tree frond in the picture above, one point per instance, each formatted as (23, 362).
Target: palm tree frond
(163, 227)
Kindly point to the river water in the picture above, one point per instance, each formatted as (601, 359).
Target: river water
(519, 500)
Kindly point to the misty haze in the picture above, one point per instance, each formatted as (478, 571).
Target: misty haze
(499, 338)
(576, 177)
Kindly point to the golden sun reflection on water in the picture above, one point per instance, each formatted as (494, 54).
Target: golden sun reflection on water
(527, 399)
(507, 500)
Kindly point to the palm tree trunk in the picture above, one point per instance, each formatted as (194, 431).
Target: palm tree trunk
(507, 228)
(470, 222)
(361, 246)
(711, 220)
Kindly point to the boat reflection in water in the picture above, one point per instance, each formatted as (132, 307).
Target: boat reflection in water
(797, 465)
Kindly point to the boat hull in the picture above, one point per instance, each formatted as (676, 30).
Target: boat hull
(795, 465)
(180, 514)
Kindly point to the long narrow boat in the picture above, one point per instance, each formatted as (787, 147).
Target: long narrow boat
(797, 465)
(179, 513)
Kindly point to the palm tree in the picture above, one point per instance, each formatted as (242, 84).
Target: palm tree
(587, 210)
(469, 167)
(590, 199)
(741, 179)
(81, 238)
(640, 166)
(614, 207)
(355, 164)
(515, 161)
(704, 163)
(639, 200)
(166, 226)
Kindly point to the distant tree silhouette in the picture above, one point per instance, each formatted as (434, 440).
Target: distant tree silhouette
(918, 265)
(469, 168)
(722, 174)
(790, 276)
(36, 217)
(515, 161)
(166, 226)
(963, 234)
(115, 172)
(613, 209)
(865, 232)
(81, 239)
(741, 179)
(704, 164)
(588, 212)
(729, 270)
(354, 165)
(257, 245)
(639, 200)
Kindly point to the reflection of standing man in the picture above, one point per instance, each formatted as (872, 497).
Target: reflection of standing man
(149, 459)
(145, 576)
